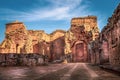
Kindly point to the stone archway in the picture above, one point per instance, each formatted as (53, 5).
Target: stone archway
(79, 52)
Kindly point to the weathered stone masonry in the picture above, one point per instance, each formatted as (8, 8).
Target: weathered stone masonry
(109, 42)
(81, 43)
(55, 45)
(84, 31)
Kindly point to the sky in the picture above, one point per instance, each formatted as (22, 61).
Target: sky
(49, 15)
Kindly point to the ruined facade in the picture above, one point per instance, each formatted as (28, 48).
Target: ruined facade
(111, 35)
(83, 31)
(56, 45)
(19, 40)
(108, 43)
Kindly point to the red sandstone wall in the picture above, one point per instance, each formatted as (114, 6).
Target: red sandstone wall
(57, 48)
(79, 52)
(14, 26)
(90, 21)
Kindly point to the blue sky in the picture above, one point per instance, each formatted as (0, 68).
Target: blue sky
(50, 15)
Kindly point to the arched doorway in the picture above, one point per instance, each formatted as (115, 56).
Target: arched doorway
(80, 52)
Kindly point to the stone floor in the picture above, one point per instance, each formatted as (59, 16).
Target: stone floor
(71, 71)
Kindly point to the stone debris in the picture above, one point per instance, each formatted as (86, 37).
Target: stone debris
(22, 59)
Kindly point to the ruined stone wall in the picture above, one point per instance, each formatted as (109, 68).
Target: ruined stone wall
(69, 37)
(89, 23)
(57, 48)
(114, 24)
(36, 37)
(14, 26)
(57, 45)
(109, 40)
(83, 31)
(95, 56)
(57, 34)
(22, 59)
(20, 40)
(28, 45)
(15, 37)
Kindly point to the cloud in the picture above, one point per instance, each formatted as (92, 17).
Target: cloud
(57, 10)
(54, 10)
(68, 3)
(53, 14)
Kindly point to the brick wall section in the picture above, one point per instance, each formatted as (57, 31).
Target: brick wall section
(109, 40)
(20, 40)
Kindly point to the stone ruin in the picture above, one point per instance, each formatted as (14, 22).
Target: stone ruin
(84, 30)
(59, 45)
(12, 59)
(106, 48)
